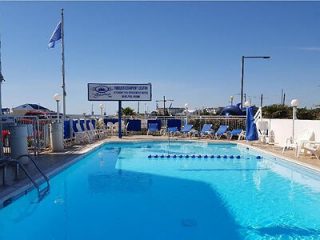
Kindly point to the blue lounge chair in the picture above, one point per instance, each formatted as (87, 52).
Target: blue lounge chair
(186, 130)
(206, 130)
(221, 131)
(152, 128)
(235, 133)
(172, 130)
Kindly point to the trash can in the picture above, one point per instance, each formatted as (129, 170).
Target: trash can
(19, 142)
(56, 137)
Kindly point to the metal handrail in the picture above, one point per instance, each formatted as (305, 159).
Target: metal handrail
(9, 161)
(36, 165)
(36, 185)
(41, 194)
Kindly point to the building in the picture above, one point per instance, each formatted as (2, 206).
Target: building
(171, 111)
(29, 107)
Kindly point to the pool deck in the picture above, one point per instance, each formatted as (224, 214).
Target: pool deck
(52, 163)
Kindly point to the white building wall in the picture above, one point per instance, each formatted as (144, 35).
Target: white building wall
(282, 129)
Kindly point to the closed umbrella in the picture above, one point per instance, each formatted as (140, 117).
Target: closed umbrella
(251, 128)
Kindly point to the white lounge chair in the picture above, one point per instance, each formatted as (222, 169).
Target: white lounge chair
(100, 133)
(313, 148)
(299, 142)
(123, 127)
(81, 136)
(90, 131)
(100, 128)
(263, 130)
(110, 128)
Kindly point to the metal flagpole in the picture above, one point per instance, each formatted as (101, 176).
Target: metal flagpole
(1, 80)
(63, 72)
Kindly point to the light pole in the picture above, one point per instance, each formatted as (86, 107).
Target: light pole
(145, 109)
(247, 104)
(186, 112)
(231, 100)
(57, 98)
(242, 71)
(294, 105)
(101, 109)
(1, 81)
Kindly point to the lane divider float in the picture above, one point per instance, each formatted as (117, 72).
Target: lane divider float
(199, 156)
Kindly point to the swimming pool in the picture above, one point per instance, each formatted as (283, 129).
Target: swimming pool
(117, 192)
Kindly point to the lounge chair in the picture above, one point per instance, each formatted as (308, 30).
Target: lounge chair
(110, 128)
(263, 130)
(235, 133)
(221, 131)
(171, 123)
(186, 130)
(100, 133)
(299, 142)
(172, 130)
(152, 128)
(206, 131)
(81, 136)
(115, 128)
(91, 132)
(313, 148)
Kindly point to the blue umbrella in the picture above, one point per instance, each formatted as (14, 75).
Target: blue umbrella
(251, 128)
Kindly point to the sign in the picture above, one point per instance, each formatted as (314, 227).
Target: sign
(119, 92)
(6, 119)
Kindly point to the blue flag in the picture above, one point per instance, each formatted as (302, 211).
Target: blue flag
(56, 35)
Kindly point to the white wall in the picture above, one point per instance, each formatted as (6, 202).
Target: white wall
(282, 129)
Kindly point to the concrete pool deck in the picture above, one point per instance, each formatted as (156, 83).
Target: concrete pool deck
(52, 163)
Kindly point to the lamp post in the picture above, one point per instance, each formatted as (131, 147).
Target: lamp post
(57, 98)
(242, 71)
(101, 109)
(186, 112)
(231, 100)
(247, 104)
(294, 105)
(145, 109)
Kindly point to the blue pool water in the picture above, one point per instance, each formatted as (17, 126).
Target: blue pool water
(117, 192)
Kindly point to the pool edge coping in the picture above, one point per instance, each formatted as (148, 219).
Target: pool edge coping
(285, 158)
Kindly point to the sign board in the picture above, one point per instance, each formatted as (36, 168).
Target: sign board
(6, 119)
(119, 92)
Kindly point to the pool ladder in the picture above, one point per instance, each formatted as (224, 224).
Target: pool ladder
(42, 192)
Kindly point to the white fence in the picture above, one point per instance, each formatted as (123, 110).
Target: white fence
(282, 129)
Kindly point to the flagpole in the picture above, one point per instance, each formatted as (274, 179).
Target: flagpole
(63, 72)
(1, 80)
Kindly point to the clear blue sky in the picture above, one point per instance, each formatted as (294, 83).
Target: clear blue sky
(189, 51)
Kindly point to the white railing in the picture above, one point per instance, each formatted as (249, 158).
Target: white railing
(258, 115)
(39, 134)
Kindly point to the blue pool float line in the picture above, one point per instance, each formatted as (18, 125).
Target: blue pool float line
(199, 156)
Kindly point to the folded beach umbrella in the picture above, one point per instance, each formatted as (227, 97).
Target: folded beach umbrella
(251, 128)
